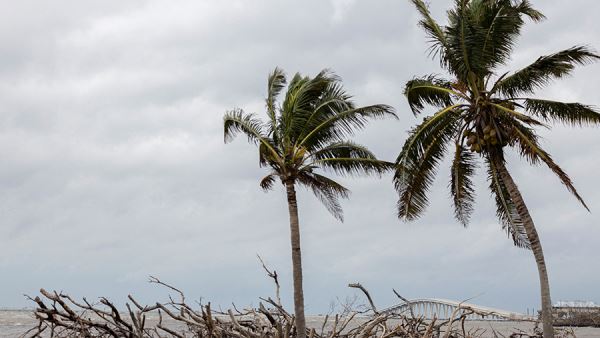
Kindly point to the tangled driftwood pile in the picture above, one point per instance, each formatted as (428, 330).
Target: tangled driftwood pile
(61, 316)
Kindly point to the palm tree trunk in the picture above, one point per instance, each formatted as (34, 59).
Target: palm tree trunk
(296, 260)
(536, 246)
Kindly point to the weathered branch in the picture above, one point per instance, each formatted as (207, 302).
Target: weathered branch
(359, 286)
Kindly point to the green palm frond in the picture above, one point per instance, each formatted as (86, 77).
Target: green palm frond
(481, 35)
(332, 101)
(348, 158)
(421, 134)
(275, 84)
(574, 114)
(543, 70)
(327, 191)
(355, 166)
(460, 43)
(268, 181)
(268, 154)
(531, 150)
(344, 124)
(499, 24)
(236, 121)
(513, 114)
(429, 90)
(418, 160)
(461, 185)
(506, 210)
(299, 103)
(435, 32)
(344, 149)
(525, 8)
(287, 112)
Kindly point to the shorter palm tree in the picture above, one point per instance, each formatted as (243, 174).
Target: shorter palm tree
(308, 132)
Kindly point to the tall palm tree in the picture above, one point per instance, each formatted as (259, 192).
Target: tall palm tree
(304, 134)
(482, 114)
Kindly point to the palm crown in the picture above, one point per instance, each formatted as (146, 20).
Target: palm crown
(307, 132)
(482, 112)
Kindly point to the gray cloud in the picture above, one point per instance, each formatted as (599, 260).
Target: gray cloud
(114, 167)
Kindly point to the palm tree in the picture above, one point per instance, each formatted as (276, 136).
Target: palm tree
(308, 132)
(481, 114)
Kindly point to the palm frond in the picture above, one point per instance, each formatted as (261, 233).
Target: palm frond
(345, 149)
(435, 32)
(516, 115)
(268, 154)
(499, 23)
(267, 182)
(300, 101)
(428, 90)
(461, 43)
(332, 101)
(237, 121)
(461, 185)
(506, 210)
(543, 70)
(275, 84)
(531, 150)
(286, 118)
(481, 35)
(574, 114)
(525, 8)
(343, 124)
(418, 160)
(354, 166)
(326, 190)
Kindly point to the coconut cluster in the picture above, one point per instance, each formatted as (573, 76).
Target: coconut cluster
(479, 139)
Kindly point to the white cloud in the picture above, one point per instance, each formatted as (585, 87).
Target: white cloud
(340, 8)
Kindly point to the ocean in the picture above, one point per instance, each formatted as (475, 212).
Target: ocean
(14, 323)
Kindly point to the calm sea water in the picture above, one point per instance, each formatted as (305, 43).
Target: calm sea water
(14, 323)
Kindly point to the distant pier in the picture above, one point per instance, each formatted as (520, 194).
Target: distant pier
(430, 308)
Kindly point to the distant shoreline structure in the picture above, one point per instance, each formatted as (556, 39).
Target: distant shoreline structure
(576, 313)
(576, 303)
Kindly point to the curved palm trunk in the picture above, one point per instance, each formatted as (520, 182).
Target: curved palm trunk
(296, 260)
(536, 246)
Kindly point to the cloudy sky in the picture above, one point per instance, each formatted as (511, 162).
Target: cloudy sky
(114, 168)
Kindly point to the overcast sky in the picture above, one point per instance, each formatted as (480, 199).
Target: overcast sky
(113, 166)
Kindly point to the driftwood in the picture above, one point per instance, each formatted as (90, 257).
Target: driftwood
(61, 316)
